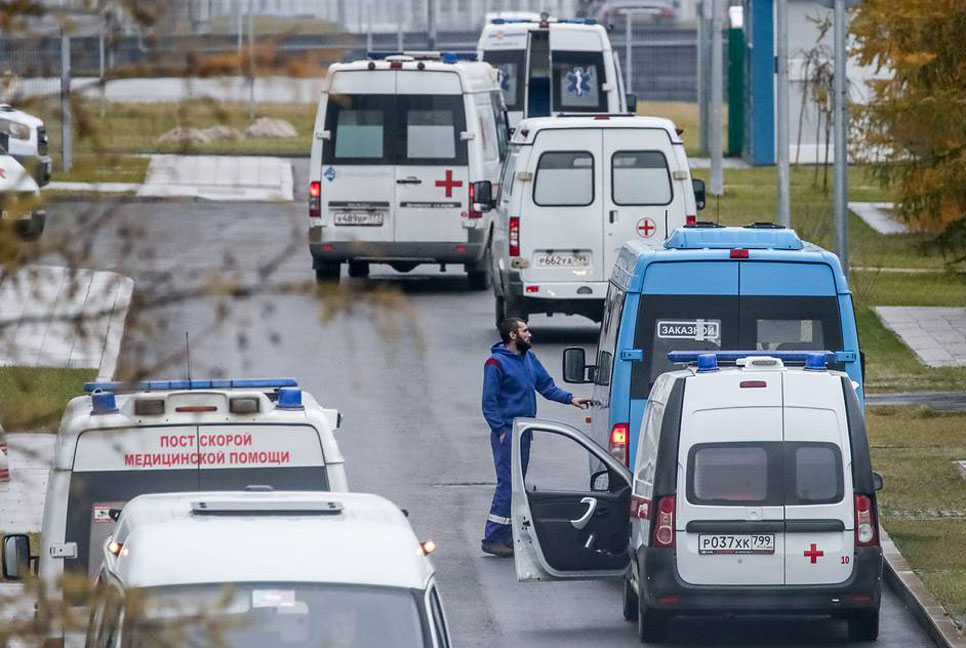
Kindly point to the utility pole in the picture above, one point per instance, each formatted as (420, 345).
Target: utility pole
(431, 23)
(628, 47)
(717, 90)
(251, 59)
(781, 68)
(841, 108)
(65, 109)
(704, 80)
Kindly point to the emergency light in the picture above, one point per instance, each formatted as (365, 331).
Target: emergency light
(709, 360)
(164, 385)
(289, 398)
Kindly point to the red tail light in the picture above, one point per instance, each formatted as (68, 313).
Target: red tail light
(690, 220)
(662, 527)
(315, 200)
(866, 524)
(739, 254)
(470, 212)
(618, 442)
(514, 236)
(640, 507)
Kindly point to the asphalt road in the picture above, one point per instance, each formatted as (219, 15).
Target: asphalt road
(406, 373)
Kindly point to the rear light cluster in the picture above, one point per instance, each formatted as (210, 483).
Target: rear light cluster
(470, 212)
(315, 200)
(662, 527)
(690, 220)
(866, 525)
(618, 442)
(514, 236)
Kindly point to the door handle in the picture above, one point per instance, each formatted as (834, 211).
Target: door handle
(582, 521)
(409, 180)
(613, 216)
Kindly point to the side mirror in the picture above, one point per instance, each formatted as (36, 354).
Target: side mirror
(700, 195)
(575, 366)
(600, 482)
(877, 482)
(482, 196)
(16, 557)
(631, 99)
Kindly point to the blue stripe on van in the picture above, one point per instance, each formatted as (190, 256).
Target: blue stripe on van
(691, 278)
(797, 279)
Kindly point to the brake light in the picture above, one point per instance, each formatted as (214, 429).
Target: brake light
(514, 236)
(470, 212)
(315, 200)
(532, 289)
(866, 525)
(196, 408)
(640, 507)
(691, 220)
(602, 117)
(395, 65)
(663, 524)
(752, 384)
(618, 442)
(739, 254)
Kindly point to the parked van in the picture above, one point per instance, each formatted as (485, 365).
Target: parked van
(752, 493)
(20, 201)
(399, 142)
(159, 436)
(573, 190)
(266, 569)
(551, 66)
(28, 142)
(710, 288)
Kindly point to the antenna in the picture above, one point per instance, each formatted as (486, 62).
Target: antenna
(187, 346)
(717, 209)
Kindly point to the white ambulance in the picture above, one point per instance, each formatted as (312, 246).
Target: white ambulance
(752, 493)
(21, 206)
(574, 190)
(166, 436)
(28, 142)
(266, 569)
(550, 66)
(399, 143)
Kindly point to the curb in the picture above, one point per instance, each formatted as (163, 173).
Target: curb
(927, 610)
(115, 330)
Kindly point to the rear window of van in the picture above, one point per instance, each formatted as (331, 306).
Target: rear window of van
(640, 178)
(578, 79)
(509, 64)
(564, 179)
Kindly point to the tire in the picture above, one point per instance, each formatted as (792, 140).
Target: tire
(864, 625)
(478, 279)
(499, 311)
(631, 605)
(328, 271)
(358, 269)
(651, 624)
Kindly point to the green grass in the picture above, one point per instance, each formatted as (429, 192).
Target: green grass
(33, 398)
(105, 168)
(914, 449)
(685, 116)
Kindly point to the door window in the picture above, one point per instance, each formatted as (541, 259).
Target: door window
(606, 346)
(564, 179)
(439, 622)
(359, 129)
(509, 64)
(735, 474)
(640, 178)
(814, 473)
(578, 80)
(499, 119)
(509, 173)
(432, 127)
(791, 323)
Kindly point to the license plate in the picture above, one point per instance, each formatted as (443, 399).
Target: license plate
(358, 218)
(562, 260)
(727, 543)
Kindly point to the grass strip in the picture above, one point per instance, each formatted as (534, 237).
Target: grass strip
(33, 398)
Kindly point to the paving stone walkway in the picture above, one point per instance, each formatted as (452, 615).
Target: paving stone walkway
(878, 217)
(937, 335)
(218, 177)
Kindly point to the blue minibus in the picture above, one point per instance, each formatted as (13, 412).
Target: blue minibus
(711, 288)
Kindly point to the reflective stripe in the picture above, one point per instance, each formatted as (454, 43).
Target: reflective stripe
(497, 519)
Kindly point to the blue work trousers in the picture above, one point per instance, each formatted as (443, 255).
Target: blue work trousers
(498, 530)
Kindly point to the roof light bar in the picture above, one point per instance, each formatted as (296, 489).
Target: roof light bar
(290, 398)
(265, 507)
(164, 385)
(814, 360)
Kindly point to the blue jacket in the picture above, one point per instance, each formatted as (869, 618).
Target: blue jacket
(509, 381)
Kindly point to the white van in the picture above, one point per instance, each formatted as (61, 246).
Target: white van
(159, 436)
(398, 144)
(266, 569)
(752, 493)
(20, 202)
(28, 142)
(574, 189)
(550, 66)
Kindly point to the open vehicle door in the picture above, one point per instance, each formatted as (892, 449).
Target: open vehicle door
(567, 525)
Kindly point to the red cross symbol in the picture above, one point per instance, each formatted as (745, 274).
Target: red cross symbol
(814, 553)
(449, 183)
(646, 227)
(3, 173)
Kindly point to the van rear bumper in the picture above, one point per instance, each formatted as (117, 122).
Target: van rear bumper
(570, 298)
(660, 582)
(469, 251)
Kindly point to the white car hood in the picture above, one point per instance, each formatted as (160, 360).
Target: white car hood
(19, 116)
(14, 177)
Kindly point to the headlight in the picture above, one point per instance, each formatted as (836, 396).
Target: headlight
(20, 131)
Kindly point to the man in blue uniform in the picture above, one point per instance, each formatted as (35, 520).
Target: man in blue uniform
(511, 376)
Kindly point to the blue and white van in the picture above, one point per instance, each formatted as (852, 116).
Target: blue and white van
(711, 288)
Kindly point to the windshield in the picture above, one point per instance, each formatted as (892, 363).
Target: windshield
(274, 615)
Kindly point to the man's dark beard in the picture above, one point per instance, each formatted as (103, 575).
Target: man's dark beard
(522, 346)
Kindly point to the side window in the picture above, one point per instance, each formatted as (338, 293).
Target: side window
(735, 474)
(646, 463)
(640, 178)
(499, 119)
(814, 473)
(508, 175)
(488, 128)
(111, 623)
(606, 346)
(555, 462)
(439, 621)
(564, 179)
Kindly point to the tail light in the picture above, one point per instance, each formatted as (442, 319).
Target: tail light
(470, 212)
(618, 442)
(662, 527)
(514, 236)
(690, 220)
(866, 524)
(640, 507)
(315, 200)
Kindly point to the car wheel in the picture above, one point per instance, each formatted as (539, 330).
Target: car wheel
(631, 605)
(864, 625)
(327, 271)
(651, 624)
(358, 269)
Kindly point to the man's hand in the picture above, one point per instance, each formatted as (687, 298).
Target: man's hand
(580, 403)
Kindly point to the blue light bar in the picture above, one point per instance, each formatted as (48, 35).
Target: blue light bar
(454, 56)
(577, 21)
(811, 359)
(166, 385)
(103, 403)
(290, 398)
(378, 55)
(707, 362)
(512, 21)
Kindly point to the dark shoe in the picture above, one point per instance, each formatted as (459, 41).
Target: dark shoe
(498, 550)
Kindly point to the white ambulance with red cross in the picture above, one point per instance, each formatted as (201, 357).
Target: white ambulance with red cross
(176, 436)
(574, 189)
(401, 143)
(752, 493)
